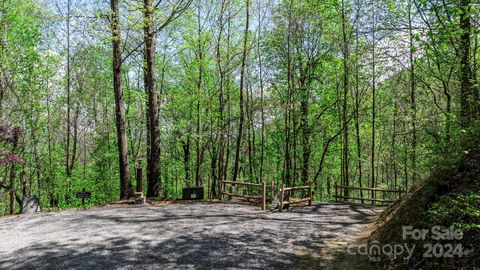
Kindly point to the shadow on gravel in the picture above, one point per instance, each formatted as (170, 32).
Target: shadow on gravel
(184, 252)
(198, 239)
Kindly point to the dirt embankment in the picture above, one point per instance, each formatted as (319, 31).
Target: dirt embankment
(446, 205)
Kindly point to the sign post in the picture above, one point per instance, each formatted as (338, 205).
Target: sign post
(84, 195)
(139, 179)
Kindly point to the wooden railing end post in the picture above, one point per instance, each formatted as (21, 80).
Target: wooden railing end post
(311, 194)
(264, 195)
(282, 194)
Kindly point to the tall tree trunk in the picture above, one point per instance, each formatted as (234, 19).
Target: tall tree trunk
(293, 116)
(346, 71)
(50, 146)
(374, 86)
(413, 102)
(153, 176)
(405, 159)
(125, 181)
(250, 134)
(68, 172)
(476, 32)
(186, 159)
(3, 42)
(262, 111)
(147, 120)
(242, 86)
(357, 104)
(228, 102)
(13, 174)
(198, 139)
(74, 149)
(221, 102)
(12, 189)
(304, 105)
(213, 157)
(394, 141)
(287, 107)
(36, 155)
(468, 95)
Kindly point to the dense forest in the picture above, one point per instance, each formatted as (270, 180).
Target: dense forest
(365, 93)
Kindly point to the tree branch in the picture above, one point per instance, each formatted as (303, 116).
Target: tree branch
(176, 12)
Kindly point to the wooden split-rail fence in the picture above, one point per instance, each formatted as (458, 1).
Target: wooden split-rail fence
(263, 197)
(248, 196)
(284, 190)
(397, 194)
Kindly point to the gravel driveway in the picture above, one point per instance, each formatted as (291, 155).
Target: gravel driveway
(177, 236)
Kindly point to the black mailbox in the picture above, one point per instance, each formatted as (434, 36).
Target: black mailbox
(192, 193)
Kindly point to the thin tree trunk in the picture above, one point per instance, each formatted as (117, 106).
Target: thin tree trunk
(186, 159)
(3, 42)
(405, 160)
(374, 82)
(68, 172)
(13, 175)
(221, 101)
(346, 75)
(153, 177)
(476, 32)
(413, 102)
(36, 155)
(229, 131)
(293, 116)
(287, 160)
(74, 150)
(250, 133)
(242, 86)
(50, 146)
(394, 146)
(213, 161)
(125, 181)
(357, 107)
(468, 95)
(304, 104)
(262, 111)
(199, 95)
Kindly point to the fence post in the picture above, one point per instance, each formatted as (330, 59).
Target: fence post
(264, 195)
(272, 190)
(282, 193)
(374, 196)
(311, 194)
(222, 189)
(336, 192)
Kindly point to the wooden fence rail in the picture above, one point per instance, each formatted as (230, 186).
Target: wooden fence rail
(262, 186)
(263, 193)
(372, 199)
(284, 189)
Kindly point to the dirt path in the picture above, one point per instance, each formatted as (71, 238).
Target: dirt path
(178, 236)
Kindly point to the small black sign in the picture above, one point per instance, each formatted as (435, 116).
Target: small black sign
(84, 194)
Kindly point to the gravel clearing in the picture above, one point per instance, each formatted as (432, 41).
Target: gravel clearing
(177, 236)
